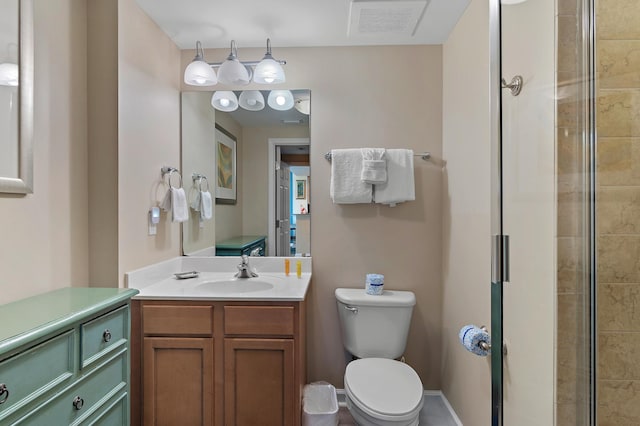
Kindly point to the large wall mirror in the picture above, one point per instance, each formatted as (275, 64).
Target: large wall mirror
(16, 96)
(255, 165)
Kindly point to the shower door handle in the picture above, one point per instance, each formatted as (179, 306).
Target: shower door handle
(500, 258)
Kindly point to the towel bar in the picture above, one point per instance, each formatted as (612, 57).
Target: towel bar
(424, 155)
(170, 171)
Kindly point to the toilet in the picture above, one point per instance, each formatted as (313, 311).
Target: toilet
(380, 391)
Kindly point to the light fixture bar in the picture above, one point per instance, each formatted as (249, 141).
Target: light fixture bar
(233, 71)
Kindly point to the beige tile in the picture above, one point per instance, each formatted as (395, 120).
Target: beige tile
(569, 260)
(618, 210)
(567, 43)
(566, 414)
(566, 7)
(618, 19)
(618, 161)
(568, 312)
(566, 373)
(618, 354)
(618, 64)
(618, 307)
(568, 152)
(569, 214)
(618, 259)
(618, 403)
(618, 113)
(567, 113)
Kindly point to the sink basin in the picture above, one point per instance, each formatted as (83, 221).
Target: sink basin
(238, 285)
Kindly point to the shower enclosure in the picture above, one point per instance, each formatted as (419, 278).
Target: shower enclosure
(566, 212)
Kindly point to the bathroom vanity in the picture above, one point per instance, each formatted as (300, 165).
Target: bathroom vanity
(220, 351)
(64, 358)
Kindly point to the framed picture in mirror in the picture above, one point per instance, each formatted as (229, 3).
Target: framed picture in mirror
(301, 190)
(226, 171)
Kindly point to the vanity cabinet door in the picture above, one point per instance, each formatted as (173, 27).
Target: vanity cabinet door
(259, 383)
(178, 384)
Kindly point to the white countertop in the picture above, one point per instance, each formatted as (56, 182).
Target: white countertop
(216, 280)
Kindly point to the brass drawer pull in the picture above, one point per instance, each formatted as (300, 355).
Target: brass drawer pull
(4, 393)
(78, 403)
(106, 336)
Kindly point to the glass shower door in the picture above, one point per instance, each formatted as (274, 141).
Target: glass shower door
(524, 212)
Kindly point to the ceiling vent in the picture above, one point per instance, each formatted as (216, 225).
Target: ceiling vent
(376, 17)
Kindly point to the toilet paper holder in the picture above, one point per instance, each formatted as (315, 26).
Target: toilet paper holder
(487, 346)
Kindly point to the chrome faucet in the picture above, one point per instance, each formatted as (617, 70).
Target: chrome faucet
(244, 270)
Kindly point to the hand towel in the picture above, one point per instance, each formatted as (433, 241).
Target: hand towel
(400, 185)
(176, 202)
(346, 185)
(196, 204)
(374, 165)
(206, 210)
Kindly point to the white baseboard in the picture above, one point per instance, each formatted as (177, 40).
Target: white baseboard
(342, 402)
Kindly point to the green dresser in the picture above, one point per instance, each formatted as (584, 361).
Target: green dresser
(244, 244)
(64, 358)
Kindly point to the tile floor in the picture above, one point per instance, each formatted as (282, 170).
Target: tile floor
(434, 413)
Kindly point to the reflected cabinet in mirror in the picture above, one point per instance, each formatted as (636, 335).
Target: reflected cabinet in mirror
(254, 166)
(16, 96)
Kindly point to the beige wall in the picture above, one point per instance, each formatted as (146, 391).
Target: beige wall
(148, 136)
(198, 151)
(466, 379)
(44, 234)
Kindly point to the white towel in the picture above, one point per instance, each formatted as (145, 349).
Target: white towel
(206, 208)
(400, 185)
(176, 202)
(346, 185)
(196, 204)
(374, 165)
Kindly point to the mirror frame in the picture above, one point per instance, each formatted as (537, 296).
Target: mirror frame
(23, 184)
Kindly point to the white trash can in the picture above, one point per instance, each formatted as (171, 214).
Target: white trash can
(319, 405)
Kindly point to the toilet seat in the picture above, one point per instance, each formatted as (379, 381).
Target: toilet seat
(384, 389)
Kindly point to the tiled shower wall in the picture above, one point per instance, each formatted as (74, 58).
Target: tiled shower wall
(572, 336)
(617, 215)
(618, 211)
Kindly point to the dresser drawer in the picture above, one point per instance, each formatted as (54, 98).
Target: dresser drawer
(177, 320)
(93, 390)
(35, 372)
(259, 320)
(114, 412)
(103, 334)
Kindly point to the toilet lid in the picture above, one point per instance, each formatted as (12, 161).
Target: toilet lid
(384, 388)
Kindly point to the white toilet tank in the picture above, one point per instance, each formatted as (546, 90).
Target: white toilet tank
(375, 326)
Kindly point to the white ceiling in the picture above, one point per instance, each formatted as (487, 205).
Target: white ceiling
(289, 23)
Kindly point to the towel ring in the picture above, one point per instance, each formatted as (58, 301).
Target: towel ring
(203, 178)
(170, 171)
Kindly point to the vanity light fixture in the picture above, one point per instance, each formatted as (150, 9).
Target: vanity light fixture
(234, 72)
(280, 100)
(199, 72)
(224, 100)
(9, 75)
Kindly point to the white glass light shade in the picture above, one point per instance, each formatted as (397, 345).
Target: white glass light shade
(223, 100)
(199, 73)
(303, 106)
(268, 71)
(252, 100)
(233, 72)
(9, 75)
(280, 100)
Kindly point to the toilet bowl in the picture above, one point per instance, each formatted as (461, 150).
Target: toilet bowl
(383, 392)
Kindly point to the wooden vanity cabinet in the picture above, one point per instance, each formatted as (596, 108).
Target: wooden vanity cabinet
(219, 363)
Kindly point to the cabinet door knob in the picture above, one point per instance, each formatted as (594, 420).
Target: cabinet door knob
(4, 393)
(78, 403)
(106, 336)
